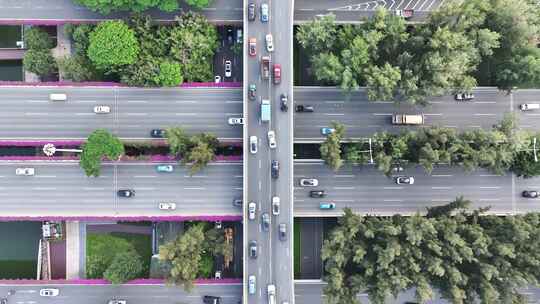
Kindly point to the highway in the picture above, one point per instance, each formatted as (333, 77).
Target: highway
(220, 11)
(28, 114)
(62, 189)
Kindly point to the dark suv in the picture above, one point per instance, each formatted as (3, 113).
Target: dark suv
(251, 12)
(253, 249)
(316, 193)
(275, 169)
(211, 300)
(126, 193)
(157, 133)
(304, 108)
(283, 103)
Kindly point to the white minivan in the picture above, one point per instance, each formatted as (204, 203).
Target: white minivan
(57, 97)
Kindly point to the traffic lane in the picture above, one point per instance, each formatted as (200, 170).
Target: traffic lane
(359, 187)
(59, 189)
(358, 5)
(524, 204)
(37, 95)
(208, 192)
(304, 15)
(137, 294)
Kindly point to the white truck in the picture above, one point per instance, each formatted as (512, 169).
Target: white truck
(271, 294)
(408, 119)
(405, 13)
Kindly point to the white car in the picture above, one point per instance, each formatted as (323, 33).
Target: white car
(405, 180)
(252, 208)
(236, 121)
(167, 206)
(49, 292)
(309, 182)
(252, 283)
(217, 79)
(228, 68)
(275, 205)
(102, 109)
(269, 43)
(25, 171)
(272, 139)
(253, 142)
(117, 302)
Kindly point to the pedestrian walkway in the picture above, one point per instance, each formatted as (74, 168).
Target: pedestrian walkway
(75, 250)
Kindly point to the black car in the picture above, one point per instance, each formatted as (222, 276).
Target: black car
(275, 169)
(237, 202)
(157, 133)
(304, 108)
(253, 249)
(283, 103)
(3, 301)
(251, 12)
(211, 300)
(230, 34)
(530, 194)
(317, 193)
(126, 193)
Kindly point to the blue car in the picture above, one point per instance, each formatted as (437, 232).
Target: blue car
(327, 131)
(264, 12)
(164, 168)
(326, 205)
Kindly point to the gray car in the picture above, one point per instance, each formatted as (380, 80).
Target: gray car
(253, 249)
(265, 221)
(282, 232)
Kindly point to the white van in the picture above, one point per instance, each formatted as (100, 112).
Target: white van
(57, 97)
(529, 106)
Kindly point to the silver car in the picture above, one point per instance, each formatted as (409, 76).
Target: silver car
(252, 281)
(252, 208)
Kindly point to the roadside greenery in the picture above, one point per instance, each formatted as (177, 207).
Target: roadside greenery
(38, 58)
(466, 43)
(78, 66)
(465, 255)
(125, 266)
(98, 145)
(331, 148)
(197, 150)
(141, 53)
(37, 39)
(106, 7)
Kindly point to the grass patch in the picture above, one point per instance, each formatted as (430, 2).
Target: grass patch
(143, 246)
(296, 248)
(18, 269)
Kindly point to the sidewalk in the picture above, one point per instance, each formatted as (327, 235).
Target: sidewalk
(75, 250)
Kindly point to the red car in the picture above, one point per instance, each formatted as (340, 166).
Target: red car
(277, 73)
(252, 46)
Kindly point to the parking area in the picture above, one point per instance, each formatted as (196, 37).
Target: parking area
(228, 64)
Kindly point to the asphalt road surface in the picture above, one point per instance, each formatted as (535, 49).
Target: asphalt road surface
(63, 189)
(28, 114)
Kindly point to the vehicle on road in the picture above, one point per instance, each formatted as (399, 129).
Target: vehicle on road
(303, 108)
(530, 194)
(49, 292)
(253, 142)
(405, 180)
(217, 79)
(265, 67)
(264, 12)
(229, 34)
(239, 36)
(102, 109)
(317, 193)
(211, 300)
(117, 302)
(252, 91)
(165, 168)
(57, 97)
(275, 205)
(265, 110)
(235, 121)
(274, 169)
(282, 232)
(464, 96)
(327, 205)
(157, 133)
(228, 68)
(309, 182)
(3, 301)
(272, 139)
(237, 202)
(218, 224)
(405, 13)
(252, 46)
(269, 43)
(327, 131)
(253, 249)
(167, 206)
(271, 290)
(252, 209)
(408, 119)
(529, 106)
(277, 73)
(126, 193)
(283, 102)
(265, 221)
(252, 14)
(252, 282)
(25, 171)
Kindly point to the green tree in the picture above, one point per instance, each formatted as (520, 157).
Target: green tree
(106, 7)
(199, 156)
(76, 68)
(179, 141)
(98, 145)
(39, 62)
(37, 39)
(198, 3)
(112, 44)
(382, 82)
(169, 74)
(327, 68)
(446, 210)
(101, 251)
(331, 148)
(184, 254)
(125, 266)
(318, 35)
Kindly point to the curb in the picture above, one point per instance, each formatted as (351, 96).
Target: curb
(160, 218)
(105, 282)
(117, 84)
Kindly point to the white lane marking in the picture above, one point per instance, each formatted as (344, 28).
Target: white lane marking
(441, 199)
(433, 114)
(344, 175)
(392, 188)
(442, 175)
(185, 114)
(484, 114)
(196, 176)
(392, 200)
(85, 101)
(37, 101)
(481, 102)
(490, 187)
(146, 188)
(136, 114)
(93, 188)
(489, 199)
(43, 188)
(45, 176)
(145, 176)
(137, 101)
(186, 101)
(344, 201)
(84, 114)
(260, 185)
(36, 114)
(343, 188)
(234, 101)
(194, 188)
(382, 114)
(491, 175)
(233, 114)
(441, 188)
(238, 188)
(335, 114)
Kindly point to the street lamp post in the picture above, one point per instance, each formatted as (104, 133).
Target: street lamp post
(49, 150)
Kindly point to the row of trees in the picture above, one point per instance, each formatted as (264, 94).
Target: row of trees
(463, 44)
(185, 255)
(466, 256)
(196, 150)
(141, 53)
(38, 58)
(100, 144)
(106, 7)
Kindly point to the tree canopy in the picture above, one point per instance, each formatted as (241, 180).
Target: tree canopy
(106, 7)
(331, 148)
(197, 150)
(125, 266)
(112, 44)
(39, 62)
(37, 39)
(98, 145)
